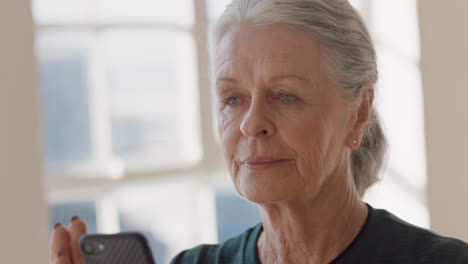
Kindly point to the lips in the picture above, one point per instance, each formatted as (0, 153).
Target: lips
(262, 163)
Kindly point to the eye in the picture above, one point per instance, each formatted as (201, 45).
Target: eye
(231, 100)
(288, 97)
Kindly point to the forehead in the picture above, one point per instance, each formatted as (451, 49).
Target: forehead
(277, 47)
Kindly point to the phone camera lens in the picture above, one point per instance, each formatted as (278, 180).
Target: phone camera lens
(89, 248)
(92, 247)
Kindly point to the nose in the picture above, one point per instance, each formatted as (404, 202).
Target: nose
(256, 122)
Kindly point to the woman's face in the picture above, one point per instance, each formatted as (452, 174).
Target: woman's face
(282, 124)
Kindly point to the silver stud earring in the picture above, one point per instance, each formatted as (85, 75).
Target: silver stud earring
(355, 142)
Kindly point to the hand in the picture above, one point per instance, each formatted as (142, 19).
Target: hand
(64, 247)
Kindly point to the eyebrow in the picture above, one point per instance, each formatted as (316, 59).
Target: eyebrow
(272, 79)
(226, 79)
(289, 76)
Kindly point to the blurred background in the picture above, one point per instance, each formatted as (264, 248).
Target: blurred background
(106, 113)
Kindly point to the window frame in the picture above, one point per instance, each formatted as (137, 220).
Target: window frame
(70, 185)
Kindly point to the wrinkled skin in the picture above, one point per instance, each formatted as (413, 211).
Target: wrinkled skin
(276, 101)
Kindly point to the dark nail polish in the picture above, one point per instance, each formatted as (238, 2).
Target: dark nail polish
(57, 225)
(74, 218)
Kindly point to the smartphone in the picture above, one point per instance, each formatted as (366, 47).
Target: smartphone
(121, 248)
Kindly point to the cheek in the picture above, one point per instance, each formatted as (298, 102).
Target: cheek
(226, 128)
(229, 134)
(307, 135)
(321, 146)
(310, 151)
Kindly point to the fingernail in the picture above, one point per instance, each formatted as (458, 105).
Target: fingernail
(74, 218)
(57, 225)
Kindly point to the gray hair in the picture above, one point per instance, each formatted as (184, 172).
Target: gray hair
(350, 60)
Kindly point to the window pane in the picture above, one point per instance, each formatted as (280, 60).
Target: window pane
(61, 11)
(63, 212)
(358, 4)
(63, 79)
(402, 35)
(167, 213)
(402, 189)
(174, 11)
(150, 74)
(234, 215)
(114, 11)
(216, 8)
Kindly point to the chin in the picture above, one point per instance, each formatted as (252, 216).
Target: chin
(262, 198)
(261, 192)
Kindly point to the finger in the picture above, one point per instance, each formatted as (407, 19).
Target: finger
(77, 229)
(60, 246)
(64, 260)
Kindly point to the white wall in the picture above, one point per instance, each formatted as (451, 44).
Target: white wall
(23, 237)
(444, 38)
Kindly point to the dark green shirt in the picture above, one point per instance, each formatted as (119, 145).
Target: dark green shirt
(383, 239)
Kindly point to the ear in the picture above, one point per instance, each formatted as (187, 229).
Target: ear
(360, 117)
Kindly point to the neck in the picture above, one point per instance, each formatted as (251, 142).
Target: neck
(312, 231)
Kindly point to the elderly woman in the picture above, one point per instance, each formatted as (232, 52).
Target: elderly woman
(295, 84)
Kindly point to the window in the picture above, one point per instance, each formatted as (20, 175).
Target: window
(119, 84)
(128, 128)
(124, 87)
(399, 100)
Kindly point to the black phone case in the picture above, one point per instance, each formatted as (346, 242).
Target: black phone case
(122, 248)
